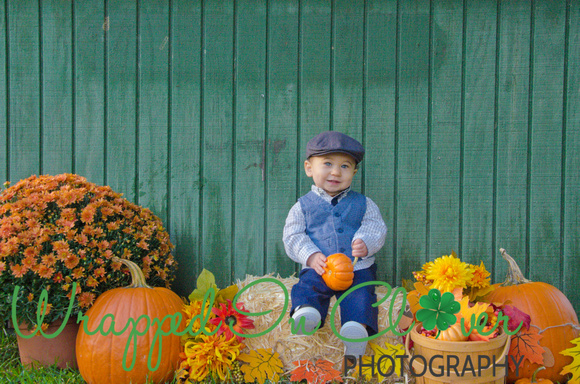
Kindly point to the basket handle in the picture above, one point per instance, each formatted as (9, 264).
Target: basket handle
(483, 373)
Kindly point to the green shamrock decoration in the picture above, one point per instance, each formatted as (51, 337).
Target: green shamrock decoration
(438, 310)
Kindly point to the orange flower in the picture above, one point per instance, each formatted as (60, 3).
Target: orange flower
(62, 222)
(92, 282)
(60, 245)
(71, 261)
(143, 245)
(162, 274)
(480, 276)
(99, 272)
(113, 226)
(29, 262)
(57, 278)
(88, 214)
(18, 270)
(44, 271)
(86, 299)
(65, 198)
(49, 259)
(78, 273)
(106, 212)
(30, 252)
(45, 308)
(82, 239)
(103, 245)
(108, 254)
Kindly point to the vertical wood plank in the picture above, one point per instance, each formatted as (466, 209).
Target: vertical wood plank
(89, 72)
(24, 62)
(186, 182)
(512, 135)
(121, 34)
(217, 139)
(250, 146)
(546, 145)
(571, 160)
(57, 125)
(478, 120)
(379, 109)
(412, 136)
(315, 77)
(282, 115)
(4, 106)
(347, 76)
(152, 151)
(444, 152)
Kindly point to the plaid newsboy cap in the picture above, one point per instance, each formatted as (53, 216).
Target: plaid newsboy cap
(331, 142)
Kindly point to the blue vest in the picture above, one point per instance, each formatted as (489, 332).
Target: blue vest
(332, 227)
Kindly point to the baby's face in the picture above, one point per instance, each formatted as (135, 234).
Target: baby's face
(332, 172)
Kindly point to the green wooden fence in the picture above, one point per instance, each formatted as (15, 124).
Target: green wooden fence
(200, 110)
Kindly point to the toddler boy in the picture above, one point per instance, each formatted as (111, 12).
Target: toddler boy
(332, 218)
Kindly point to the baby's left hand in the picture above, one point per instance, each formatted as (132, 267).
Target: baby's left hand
(359, 248)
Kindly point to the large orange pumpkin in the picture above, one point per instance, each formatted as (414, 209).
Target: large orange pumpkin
(338, 274)
(100, 357)
(547, 307)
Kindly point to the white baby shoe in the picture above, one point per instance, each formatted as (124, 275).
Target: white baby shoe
(354, 330)
(311, 319)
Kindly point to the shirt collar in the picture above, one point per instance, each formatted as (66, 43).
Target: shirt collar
(322, 193)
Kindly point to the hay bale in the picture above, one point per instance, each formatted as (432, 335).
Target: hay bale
(324, 344)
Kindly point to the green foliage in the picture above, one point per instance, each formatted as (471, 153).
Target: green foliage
(205, 282)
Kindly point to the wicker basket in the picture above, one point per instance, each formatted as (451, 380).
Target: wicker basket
(437, 353)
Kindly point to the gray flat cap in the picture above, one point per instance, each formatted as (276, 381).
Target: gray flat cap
(331, 142)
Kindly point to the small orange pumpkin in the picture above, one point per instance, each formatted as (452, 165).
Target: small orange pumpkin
(100, 357)
(476, 336)
(533, 379)
(453, 333)
(338, 274)
(549, 309)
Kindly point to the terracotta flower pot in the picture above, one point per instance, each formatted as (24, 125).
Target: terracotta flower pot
(59, 350)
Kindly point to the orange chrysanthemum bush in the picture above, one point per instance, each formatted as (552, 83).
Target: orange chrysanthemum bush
(59, 230)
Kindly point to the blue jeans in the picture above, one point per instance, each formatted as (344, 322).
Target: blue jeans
(357, 306)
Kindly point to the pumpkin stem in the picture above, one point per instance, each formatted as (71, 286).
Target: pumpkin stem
(535, 373)
(514, 275)
(137, 276)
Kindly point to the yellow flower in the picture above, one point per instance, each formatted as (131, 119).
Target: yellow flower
(211, 355)
(480, 276)
(192, 310)
(448, 273)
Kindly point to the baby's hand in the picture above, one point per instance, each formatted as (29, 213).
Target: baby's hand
(359, 248)
(317, 261)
